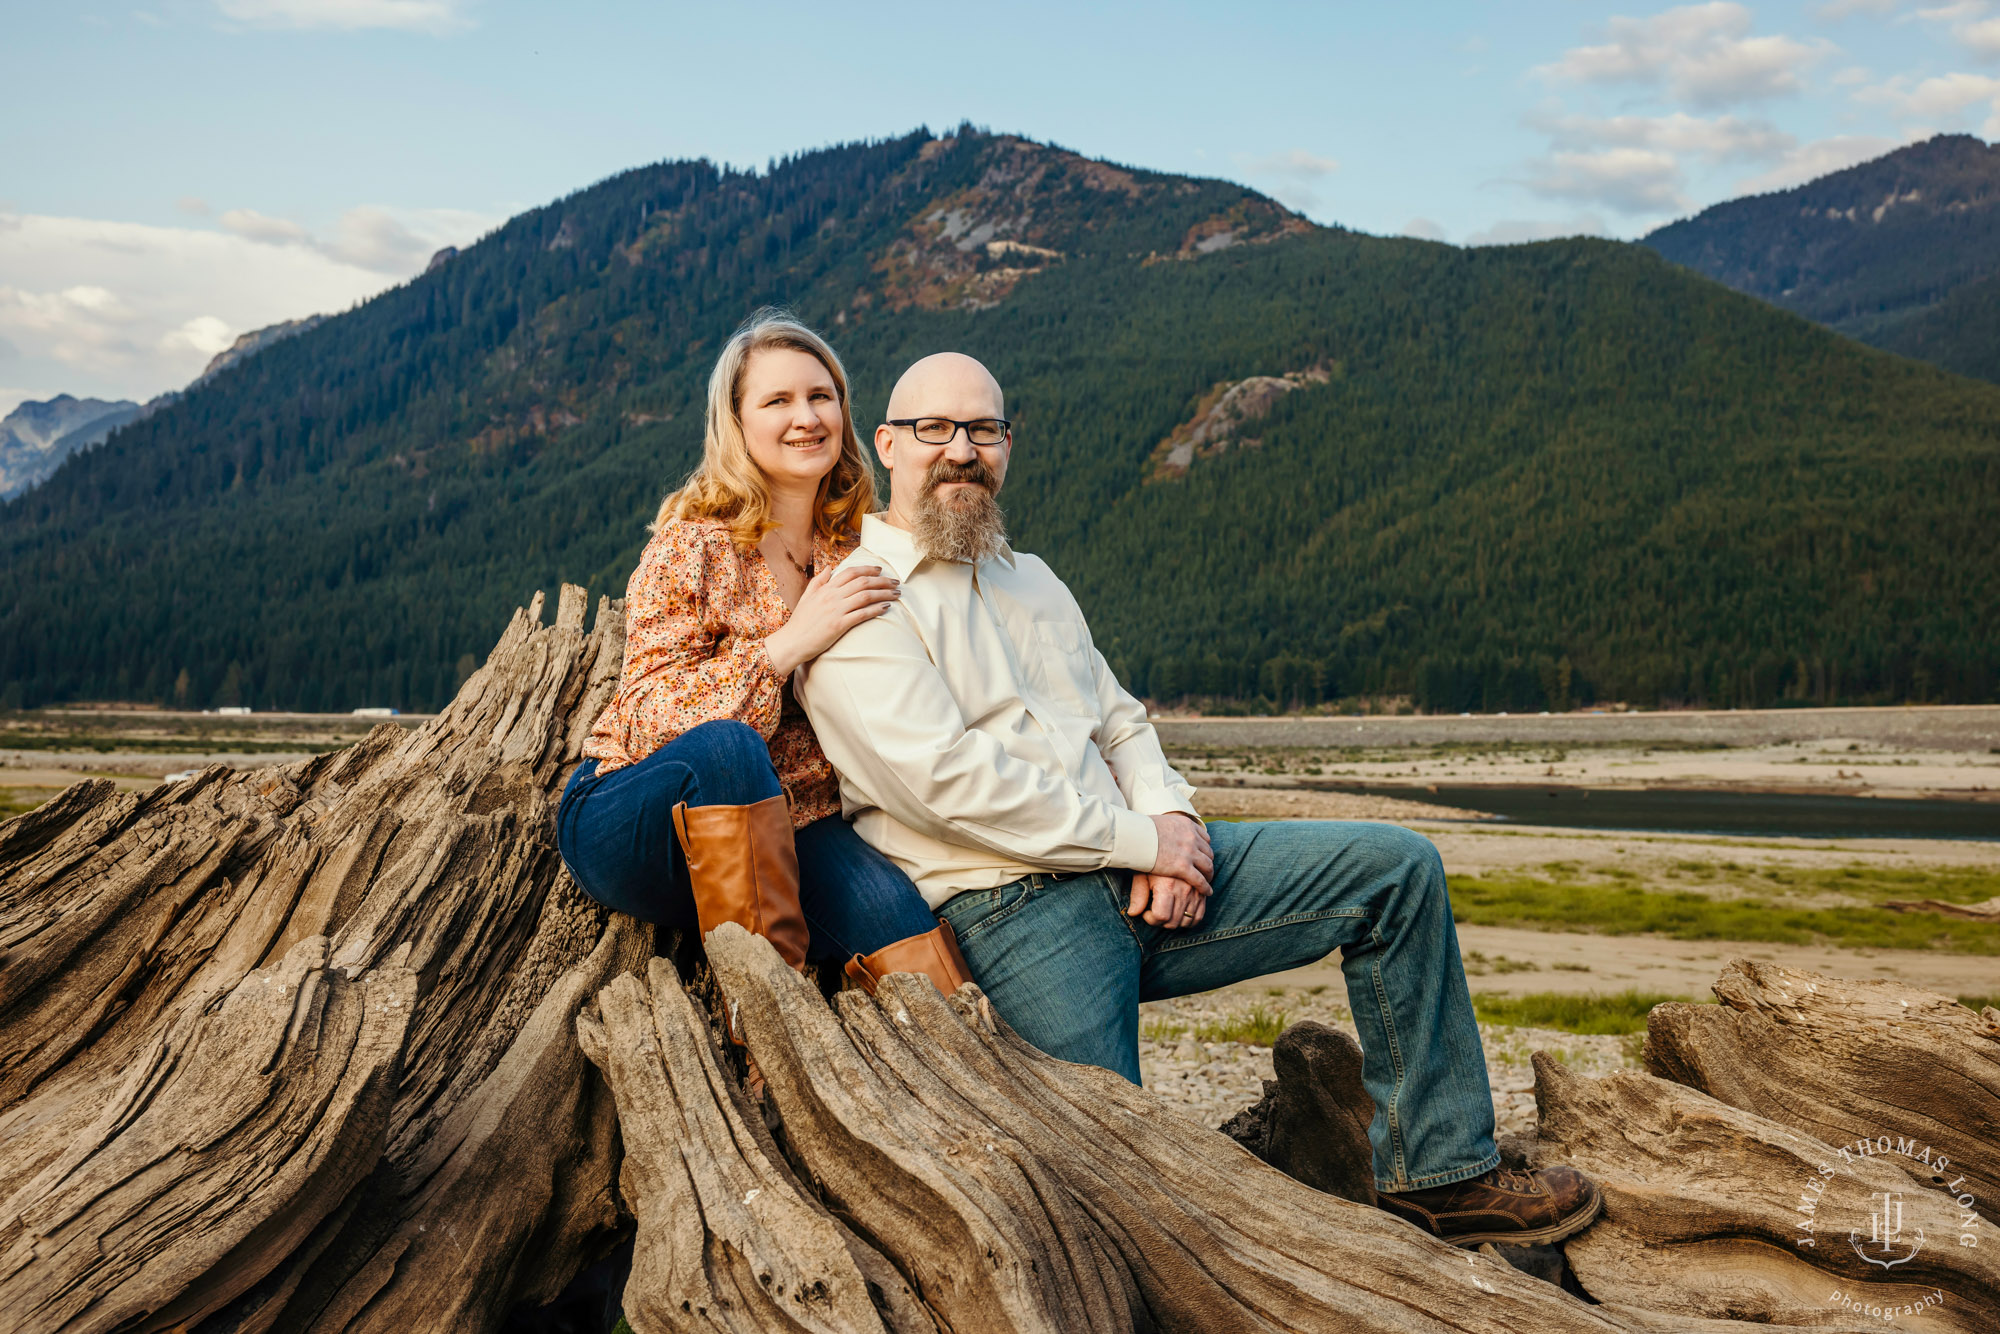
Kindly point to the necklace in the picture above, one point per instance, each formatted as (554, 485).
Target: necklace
(806, 570)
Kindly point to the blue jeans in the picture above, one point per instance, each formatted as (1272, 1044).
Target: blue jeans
(1067, 969)
(616, 834)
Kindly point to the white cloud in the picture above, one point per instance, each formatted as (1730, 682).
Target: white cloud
(251, 225)
(1946, 100)
(204, 334)
(1637, 164)
(1719, 139)
(1982, 38)
(1811, 161)
(1836, 10)
(1424, 230)
(126, 310)
(366, 237)
(1290, 177)
(1514, 231)
(373, 238)
(1703, 55)
(434, 16)
(1630, 180)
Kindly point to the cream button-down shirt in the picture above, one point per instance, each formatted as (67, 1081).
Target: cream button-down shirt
(978, 733)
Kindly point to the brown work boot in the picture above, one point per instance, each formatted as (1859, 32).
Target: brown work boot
(934, 954)
(1508, 1206)
(743, 868)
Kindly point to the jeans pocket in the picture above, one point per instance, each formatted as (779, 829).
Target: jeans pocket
(977, 911)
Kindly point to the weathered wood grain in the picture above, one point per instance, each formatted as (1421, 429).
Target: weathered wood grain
(120, 915)
(727, 1239)
(1716, 1212)
(1016, 1190)
(1845, 1062)
(220, 1150)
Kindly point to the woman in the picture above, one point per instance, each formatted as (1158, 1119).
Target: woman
(703, 796)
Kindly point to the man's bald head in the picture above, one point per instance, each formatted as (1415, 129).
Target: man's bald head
(947, 384)
(944, 493)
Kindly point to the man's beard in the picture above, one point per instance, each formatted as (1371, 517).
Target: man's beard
(967, 526)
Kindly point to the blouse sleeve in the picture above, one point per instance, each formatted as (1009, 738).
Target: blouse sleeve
(676, 678)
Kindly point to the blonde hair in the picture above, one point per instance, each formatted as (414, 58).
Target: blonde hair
(727, 484)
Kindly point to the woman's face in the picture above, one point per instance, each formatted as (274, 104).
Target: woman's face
(791, 417)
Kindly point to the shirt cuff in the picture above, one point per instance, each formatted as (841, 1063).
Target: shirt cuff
(1135, 841)
(1152, 794)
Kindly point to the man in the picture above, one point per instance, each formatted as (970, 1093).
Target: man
(985, 747)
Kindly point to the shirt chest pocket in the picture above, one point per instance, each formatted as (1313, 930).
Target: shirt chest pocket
(1059, 663)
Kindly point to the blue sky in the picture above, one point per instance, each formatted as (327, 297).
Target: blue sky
(175, 174)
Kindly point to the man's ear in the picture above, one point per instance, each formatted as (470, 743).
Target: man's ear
(885, 446)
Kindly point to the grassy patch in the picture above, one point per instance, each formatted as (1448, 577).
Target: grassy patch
(1977, 1003)
(1161, 1030)
(1260, 1027)
(1857, 880)
(1477, 964)
(14, 803)
(1625, 909)
(1614, 1012)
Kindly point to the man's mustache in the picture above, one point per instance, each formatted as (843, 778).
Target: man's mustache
(944, 470)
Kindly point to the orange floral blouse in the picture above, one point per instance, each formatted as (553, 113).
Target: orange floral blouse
(696, 614)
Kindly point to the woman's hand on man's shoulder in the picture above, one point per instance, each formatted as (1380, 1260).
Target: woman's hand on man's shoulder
(835, 601)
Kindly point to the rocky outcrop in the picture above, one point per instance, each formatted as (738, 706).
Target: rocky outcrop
(1224, 416)
(250, 344)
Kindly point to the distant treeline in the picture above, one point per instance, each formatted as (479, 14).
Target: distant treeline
(1538, 476)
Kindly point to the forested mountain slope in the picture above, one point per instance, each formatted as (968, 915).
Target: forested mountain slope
(1901, 251)
(1503, 478)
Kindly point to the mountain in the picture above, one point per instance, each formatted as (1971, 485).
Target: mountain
(37, 436)
(249, 344)
(1902, 252)
(1276, 461)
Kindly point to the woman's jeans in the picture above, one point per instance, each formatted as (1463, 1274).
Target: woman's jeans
(1067, 969)
(616, 833)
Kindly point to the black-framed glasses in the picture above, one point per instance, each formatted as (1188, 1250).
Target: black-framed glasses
(942, 430)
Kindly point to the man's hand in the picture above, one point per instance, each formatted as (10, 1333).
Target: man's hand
(1165, 901)
(1184, 852)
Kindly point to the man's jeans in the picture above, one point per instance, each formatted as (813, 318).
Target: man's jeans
(616, 834)
(1067, 969)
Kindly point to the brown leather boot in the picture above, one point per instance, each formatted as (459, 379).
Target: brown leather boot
(743, 868)
(1508, 1207)
(934, 954)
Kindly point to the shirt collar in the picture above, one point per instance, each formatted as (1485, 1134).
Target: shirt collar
(899, 550)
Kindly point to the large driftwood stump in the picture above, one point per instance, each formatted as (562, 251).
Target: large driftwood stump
(419, 864)
(338, 1046)
(1846, 1063)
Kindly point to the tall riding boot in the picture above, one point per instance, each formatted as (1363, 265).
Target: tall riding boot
(934, 954)
(743, 868)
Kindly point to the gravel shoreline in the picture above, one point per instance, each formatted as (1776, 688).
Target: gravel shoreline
(1211, 1077)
